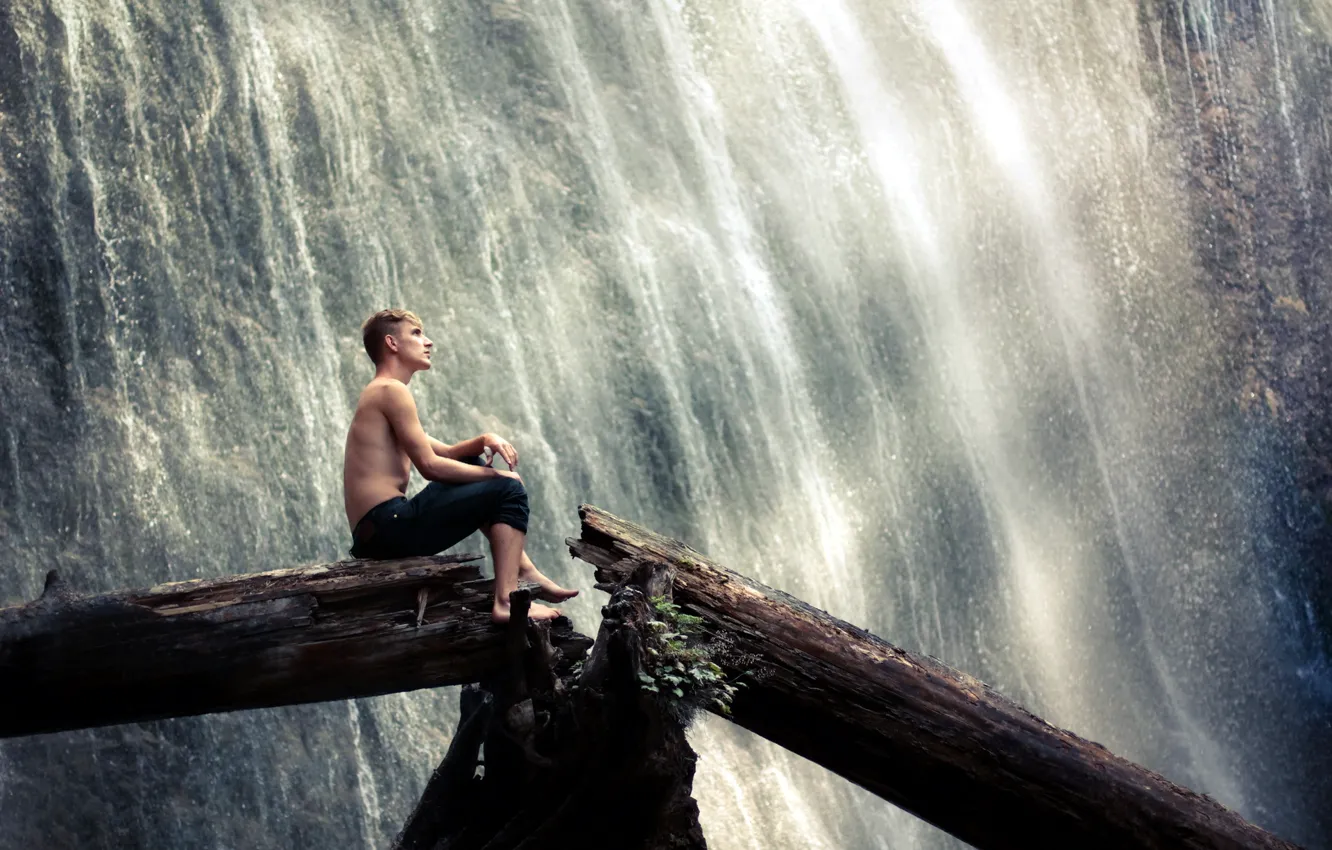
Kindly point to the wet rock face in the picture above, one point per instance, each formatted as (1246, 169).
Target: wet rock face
(1244, 98)
(1247, 107)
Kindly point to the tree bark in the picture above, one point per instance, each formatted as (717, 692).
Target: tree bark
(923, 736)
(454, 786)
(591, 760)
(336, 631)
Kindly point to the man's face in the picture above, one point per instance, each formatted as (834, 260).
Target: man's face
(413, 346)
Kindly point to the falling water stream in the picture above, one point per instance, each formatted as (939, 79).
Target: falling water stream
(892, 305)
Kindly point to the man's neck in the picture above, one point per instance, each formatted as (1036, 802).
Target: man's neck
(396, 370)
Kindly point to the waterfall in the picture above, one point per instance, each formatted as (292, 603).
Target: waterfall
(901, 307)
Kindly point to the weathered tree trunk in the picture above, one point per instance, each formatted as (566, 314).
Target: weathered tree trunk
(934, 741)
(591, 761)
(350, 629)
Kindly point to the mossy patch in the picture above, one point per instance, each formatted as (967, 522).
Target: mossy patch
(680, 667)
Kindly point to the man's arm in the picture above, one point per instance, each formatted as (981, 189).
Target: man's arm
(400, 409)
(474, 447)
(467, 448)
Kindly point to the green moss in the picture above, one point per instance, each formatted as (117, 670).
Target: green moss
(679, 665)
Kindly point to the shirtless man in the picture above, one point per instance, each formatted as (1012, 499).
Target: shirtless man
(463, 495)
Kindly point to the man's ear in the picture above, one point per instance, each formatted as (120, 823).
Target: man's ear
(391, 343)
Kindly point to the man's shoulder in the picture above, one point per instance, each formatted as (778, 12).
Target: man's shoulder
(381, 391)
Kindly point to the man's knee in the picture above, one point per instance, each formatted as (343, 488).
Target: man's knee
(512, 509)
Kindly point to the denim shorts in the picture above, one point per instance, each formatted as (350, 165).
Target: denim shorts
(439, 516)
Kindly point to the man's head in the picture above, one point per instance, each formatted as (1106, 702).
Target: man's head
(398, 334)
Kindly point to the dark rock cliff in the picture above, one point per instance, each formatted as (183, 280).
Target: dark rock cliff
(1244, 94)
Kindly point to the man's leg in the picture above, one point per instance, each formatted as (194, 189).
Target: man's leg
(443, 514)
(527, 571)
(506, 548)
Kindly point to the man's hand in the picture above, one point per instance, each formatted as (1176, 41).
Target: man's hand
(508, 473)
(494, 444)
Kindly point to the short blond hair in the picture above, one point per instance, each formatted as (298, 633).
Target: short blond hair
(381, 324)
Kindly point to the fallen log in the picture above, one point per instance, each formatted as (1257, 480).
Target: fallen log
(934, 741)
(336, 631)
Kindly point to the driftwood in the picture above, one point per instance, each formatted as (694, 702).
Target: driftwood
(350, 629)
(923, 736)
(590, 760)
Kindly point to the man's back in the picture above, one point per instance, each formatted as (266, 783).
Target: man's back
(375, 468)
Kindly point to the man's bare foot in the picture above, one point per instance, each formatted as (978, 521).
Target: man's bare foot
(550, 591)
(500, 612)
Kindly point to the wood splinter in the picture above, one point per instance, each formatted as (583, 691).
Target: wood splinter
(422, 597)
